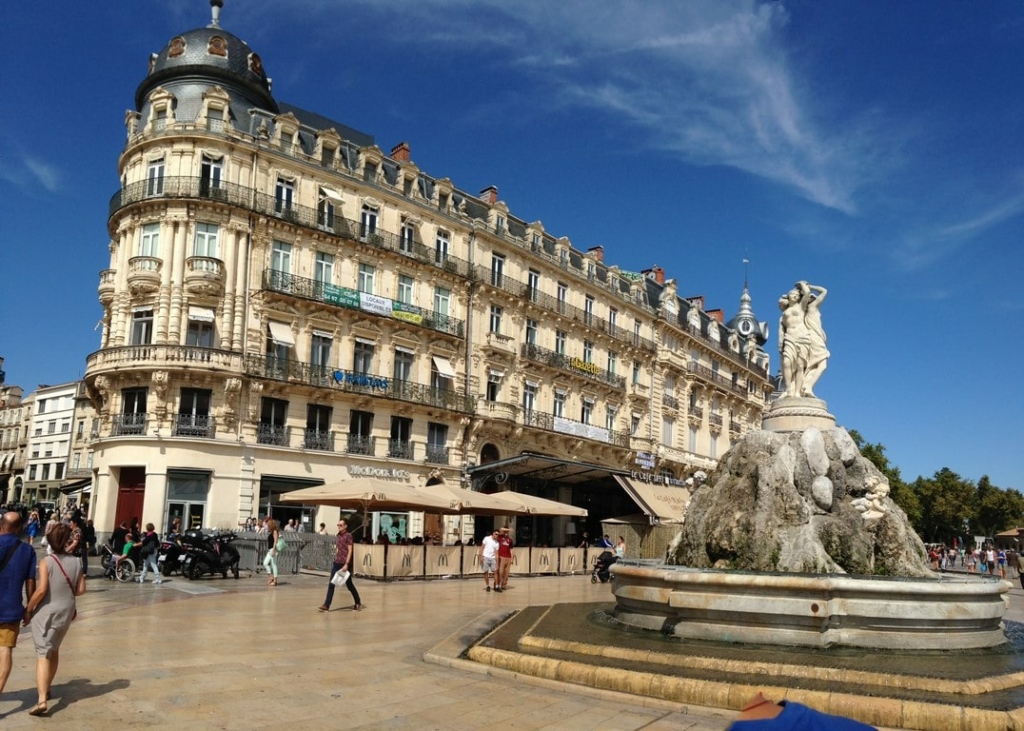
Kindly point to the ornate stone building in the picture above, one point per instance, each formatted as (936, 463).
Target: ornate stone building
(287, 304)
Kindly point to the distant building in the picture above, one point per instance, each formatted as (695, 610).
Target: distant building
(287, 305)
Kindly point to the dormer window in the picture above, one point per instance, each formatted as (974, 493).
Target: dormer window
(160, 119)
(215, 119)
(327, 156)
(370, 172)
(218, 47)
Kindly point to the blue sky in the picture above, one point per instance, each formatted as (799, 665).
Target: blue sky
(875, 148)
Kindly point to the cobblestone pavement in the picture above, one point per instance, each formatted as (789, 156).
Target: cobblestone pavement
(227, 654)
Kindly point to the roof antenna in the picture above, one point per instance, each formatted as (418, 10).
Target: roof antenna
(746, 268)
(215, 6)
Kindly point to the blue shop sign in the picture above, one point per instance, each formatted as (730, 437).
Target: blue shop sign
(360, 379)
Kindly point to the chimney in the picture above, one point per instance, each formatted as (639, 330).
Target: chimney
(597, 252)
(656, 273)
(400, 152)
(718, 315)
(699, 299)
(489, 195)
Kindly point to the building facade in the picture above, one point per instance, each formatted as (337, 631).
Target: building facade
(287, 305)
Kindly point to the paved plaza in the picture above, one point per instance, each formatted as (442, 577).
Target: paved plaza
(226, 654)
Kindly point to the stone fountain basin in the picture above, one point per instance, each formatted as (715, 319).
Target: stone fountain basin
(826, 610)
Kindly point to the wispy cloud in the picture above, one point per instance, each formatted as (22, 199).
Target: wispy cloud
(26, 172)
(46, 175)
(709, 81)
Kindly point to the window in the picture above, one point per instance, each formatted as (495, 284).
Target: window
(206, 240)
(440, 380)
(437, 441)
(366, 276)
(442, 300)
(51, 427)
(497, 270)
(588, 351)
(405, 289)
(495, 324)
(563, 292)
(318, 428)
(368, 222)
(160, 119)
(278, 349)
(46, 472)
(693, 439)
(149, 240)
(609, 416)
(215, 119)
(284, 195)
(613, 318)
(713, 447)
(32, 472)
(403, 365)
(209, 176)
(193, 413)
(320, 352)
(531, 332)
(612, 362)
(281, 257)
(80, 431)
(362, 362)
(325, 211)
(441, 247)
(133, 411)
(637, 330)
(360, 431)
(76, 460)
(559, 407)
(400, 444)
(634, 424)
(560, 337)
(327, 155)
(588, 310)
(499, 225)
(587, 410)
(668, 432)
(323, 270)
(529, 396)
(636, 371)
(155, 178)
(670, 386)
(200, 333)
(142, 326)
(407, 237)
(532, 285)
(493, 386)
(272, 429)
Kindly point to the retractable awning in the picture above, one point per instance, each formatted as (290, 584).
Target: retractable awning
(201, 314)
(663, 503)
(281, 334)
(444, 367)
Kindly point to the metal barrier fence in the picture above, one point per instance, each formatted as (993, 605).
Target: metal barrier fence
(316, 553)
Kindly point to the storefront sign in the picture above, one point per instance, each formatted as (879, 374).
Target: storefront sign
(341, 296)
(645, 460)
(360, 379)
(568, 426)
(380, 472)
(578, 364)
(653, 479)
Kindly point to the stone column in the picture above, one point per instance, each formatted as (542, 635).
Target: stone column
(177, 277)
(155, 505)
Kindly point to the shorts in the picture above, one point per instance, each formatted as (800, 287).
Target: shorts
(488, 564)
(9, 634)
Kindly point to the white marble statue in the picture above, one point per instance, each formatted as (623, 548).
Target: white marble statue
(802, 339)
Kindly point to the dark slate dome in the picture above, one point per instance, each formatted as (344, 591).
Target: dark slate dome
(207, 57)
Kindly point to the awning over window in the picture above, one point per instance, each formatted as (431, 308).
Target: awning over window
(443, 366)
(365, 341)
(281, 334)
(330, 194)
(323, 334)
(403, 349)
(663, 503)
(201, 314)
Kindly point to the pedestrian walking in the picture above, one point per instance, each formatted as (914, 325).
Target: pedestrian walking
(150, 553)
(489, 559)
(274, 544)
(17, 574)
(50, 610)
(342, 562)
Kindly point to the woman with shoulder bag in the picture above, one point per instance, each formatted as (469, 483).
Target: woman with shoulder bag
(270, 562)
(51, 608)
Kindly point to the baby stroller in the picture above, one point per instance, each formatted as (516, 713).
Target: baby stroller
(601, 566)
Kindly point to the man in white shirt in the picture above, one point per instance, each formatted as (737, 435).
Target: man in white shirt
(489, 559)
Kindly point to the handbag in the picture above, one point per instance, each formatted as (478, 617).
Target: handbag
(281, 545)
(341, 577)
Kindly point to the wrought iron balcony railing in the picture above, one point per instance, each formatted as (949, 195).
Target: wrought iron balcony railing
(351, 381)
(193, 425)
(123, 425)
(311, 289)
(360, 444)
(400, 449)
(561, 425)
(316, 439)
(573, 365)
(718, 379)
(276, 435)
(437, 454)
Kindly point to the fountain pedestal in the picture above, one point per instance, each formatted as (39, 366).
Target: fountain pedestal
(797, 414)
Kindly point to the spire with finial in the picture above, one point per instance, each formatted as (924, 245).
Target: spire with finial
(215, 6)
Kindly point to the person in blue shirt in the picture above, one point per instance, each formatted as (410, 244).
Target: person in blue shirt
(17, 580)
(761, 714)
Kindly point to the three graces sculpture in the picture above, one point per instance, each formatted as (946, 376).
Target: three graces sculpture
(802, 339)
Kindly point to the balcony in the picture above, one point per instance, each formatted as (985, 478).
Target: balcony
(715, 420)
(193, 425)
(696, 412)
(573, 366)
(144, 274)
(204, 276)
(670, 402)
(310, 289)
(128, 425)
(498, 410)
(108, 280)
(163, 356)
(274, 435)
(734, 427)
(501, 343)
(360, 444)
(400, 449)
(561, 425)
(319, 440)
(311, 374)
(437, 454)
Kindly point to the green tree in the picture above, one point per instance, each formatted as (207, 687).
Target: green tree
(998, 509)
(946, 500)
(900, 492)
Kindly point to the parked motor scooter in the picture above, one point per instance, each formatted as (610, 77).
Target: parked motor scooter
(208, 554)
(171, 557)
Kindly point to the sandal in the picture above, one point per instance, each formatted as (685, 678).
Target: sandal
(323, 608)
(39, 709)
(272, 582)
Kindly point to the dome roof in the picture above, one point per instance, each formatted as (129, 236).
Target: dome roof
(209, 54)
